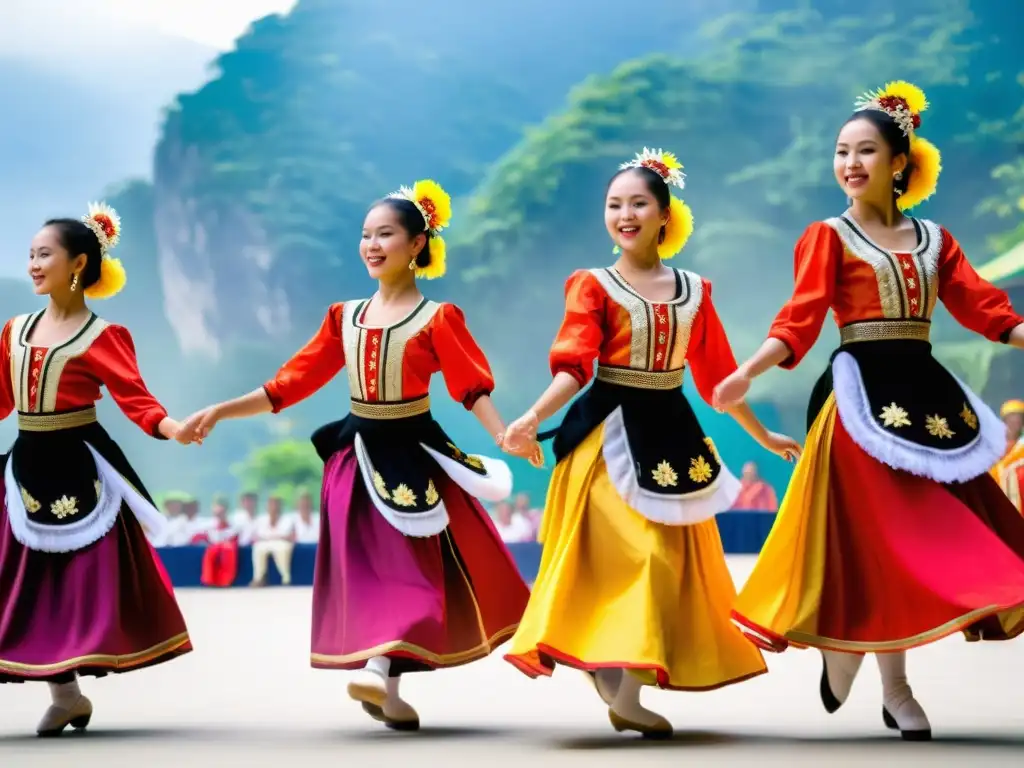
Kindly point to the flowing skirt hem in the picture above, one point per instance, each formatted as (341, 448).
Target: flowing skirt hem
(532, 665)
(97, 664)
(405, 650)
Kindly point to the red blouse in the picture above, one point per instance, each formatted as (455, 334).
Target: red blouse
(387, 364)
(68, 376)
(838, 267)
(605, 319)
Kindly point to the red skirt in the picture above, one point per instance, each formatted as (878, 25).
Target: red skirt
(865, 558)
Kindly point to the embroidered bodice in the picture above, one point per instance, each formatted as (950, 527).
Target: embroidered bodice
(68, 376)
(608, 321)
(839, 268)
(387, 364)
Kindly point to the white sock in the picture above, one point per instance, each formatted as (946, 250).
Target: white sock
(627, 698)
(378, 665)
(893, 667)
(391, 686)
(65, 694)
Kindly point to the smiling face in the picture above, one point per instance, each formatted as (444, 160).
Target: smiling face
(387, 247)
(864, 163)
(50, 266)
(632, 214)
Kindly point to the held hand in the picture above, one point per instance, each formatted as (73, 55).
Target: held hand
(170, 428)
(782, 445)
(198, 426)
(521, 435)
(730, 391)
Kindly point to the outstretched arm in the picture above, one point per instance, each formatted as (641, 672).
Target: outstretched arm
(576, 347)
(302, 376)
(113, 358)
(818, 255)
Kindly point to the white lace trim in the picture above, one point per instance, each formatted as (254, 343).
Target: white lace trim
(114, 490)
(944, 466)
(667, 509)
(495, 485)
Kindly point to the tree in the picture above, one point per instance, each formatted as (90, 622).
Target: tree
(281, 466)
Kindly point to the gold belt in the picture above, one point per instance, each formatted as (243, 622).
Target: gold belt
(55, 422)
(402, 410)
(630, 377)
(885, 330)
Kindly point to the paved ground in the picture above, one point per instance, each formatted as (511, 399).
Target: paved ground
(247, 697)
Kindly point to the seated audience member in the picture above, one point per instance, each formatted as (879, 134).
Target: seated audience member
(533, 515)
(177, 533)
(512, 526)
(273, 537)
(220, 561)
(755, 494)
(243, 521)
(305, 525)
(198, 527)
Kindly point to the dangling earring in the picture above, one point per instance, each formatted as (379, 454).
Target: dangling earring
(74, 282)
(898, 175)
(412, 265)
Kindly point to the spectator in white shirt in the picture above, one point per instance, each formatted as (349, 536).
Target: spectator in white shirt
(274, 537)
(177, 533)
(512, 526)
(305, 525)
(243, 521)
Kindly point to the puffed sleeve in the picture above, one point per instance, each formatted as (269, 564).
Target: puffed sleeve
(578, 342)
(818, 253)
(466, 371)
(6, 385)
(709, 353)
(311, 367)
(975, 303)
(113, 358)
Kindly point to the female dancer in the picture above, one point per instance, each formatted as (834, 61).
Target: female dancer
(633, 584)
(81, 590)
(410, 572)
(891, 534)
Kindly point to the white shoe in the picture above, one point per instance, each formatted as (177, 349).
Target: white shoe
(838, 671)
(57, 718)
(368, 688)
(902, 712)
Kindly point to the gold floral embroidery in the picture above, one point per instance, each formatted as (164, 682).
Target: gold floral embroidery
(64, 506)
(700, 470)
(459, 456)
(714, 450)
(98, 486)
(969, 417)
(403, 496)
(474, 461)
(937, 426)
(664, 475)
(380, 486)
(431, 494)
(894, 416)
(31, 504)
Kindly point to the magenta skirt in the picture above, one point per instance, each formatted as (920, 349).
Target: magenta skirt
(425, 603)
(107, 608)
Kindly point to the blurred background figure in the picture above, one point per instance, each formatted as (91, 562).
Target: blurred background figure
(273, 537)
(755, 494)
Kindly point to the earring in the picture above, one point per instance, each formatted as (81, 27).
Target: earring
(898, 175)
(412, 265)
(74, 282)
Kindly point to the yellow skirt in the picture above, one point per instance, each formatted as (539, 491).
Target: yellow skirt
(616, 590)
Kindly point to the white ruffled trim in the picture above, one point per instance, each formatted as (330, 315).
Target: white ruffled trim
(114, 490)
(667, 509)
(493, 486)
(944, 466)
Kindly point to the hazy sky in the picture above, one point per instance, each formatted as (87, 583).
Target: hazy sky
(29, 25)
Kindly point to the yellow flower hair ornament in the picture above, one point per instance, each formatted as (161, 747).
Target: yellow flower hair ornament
(904, 102)
(435, 205)
(680, 218)
(106, 225)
